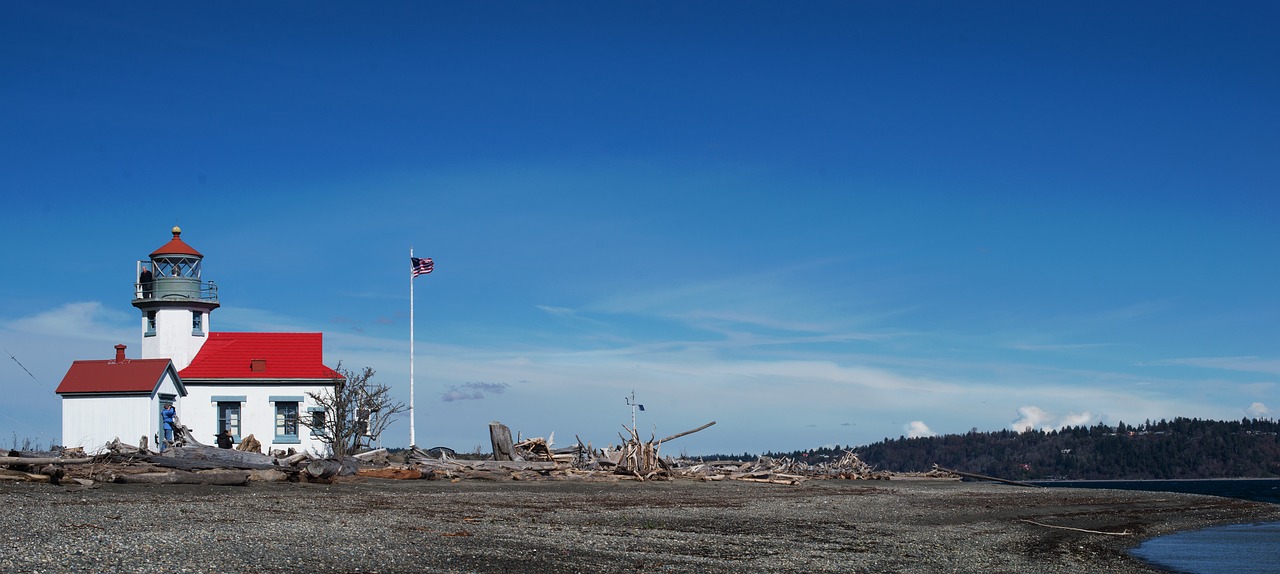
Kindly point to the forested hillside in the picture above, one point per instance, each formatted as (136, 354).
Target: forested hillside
(1181, 448)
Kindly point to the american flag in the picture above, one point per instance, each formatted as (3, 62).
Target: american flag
(422, 266)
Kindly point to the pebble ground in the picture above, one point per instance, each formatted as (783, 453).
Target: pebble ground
(385, 526)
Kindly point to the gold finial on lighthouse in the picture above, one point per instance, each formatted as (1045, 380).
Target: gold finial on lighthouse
(176, 231)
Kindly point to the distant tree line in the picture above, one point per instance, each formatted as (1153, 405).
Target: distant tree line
(1183, 448)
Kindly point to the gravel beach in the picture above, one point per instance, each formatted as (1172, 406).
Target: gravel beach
(369, 525)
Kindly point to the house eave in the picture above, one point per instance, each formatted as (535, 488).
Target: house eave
(103, 394)
(260, 382)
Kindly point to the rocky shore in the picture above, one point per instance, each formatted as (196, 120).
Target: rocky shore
(385, 526)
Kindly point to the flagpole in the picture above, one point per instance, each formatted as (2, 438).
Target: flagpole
(412, 439)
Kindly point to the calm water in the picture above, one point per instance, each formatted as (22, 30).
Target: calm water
(1236, 549)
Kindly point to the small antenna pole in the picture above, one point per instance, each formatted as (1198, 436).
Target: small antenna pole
(631, 400)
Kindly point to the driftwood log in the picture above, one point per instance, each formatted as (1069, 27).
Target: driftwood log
(224, 458)
(983, 477)
(294, 458)
(211, 478)
(117, 447)
(500, 437)
(38, 453)
(327, 468)
(273, 475)
(688, 432)
(182, 436)
(371, 455)
(416, 455)
(641, 460)
(48, 476)
(7, 475)
(54, 472)
(392, 473)
(323, 469)
(533, 449)
(508, 465)
(28, 461)
(194, 464)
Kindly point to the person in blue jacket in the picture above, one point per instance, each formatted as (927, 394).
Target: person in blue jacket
(166, 419)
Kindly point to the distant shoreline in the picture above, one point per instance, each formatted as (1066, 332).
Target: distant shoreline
(1255, 489)
(1039, 481)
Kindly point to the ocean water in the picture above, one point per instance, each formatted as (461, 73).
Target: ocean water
(1234, 549)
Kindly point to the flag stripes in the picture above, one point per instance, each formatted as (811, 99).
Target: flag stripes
(422, 266)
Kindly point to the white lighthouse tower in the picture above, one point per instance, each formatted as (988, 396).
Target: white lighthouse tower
(174, 301)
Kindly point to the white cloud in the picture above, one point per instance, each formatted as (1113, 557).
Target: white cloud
(1033, 417)
(1030, 418)
(1257, 411)
(917, 429)
(1076, 420)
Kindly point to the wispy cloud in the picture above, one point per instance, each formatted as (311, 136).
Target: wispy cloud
(1248, 363)
(472, 391)
(250, 319)
(750, 375)
(83, 320)
(770, 300)
(1059, 347)
(1130, 312)
(573, 316)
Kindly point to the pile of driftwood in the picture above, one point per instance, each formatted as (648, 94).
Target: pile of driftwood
(30, 466)
(187, 461)
(184, 461)
(633, 459)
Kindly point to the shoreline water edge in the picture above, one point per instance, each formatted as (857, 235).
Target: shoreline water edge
(577, 526)
(1223, 549)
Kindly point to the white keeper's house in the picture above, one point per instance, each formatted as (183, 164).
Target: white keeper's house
(250, 383)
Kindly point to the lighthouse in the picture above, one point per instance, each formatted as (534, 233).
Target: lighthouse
(258, 385)
(175, 302)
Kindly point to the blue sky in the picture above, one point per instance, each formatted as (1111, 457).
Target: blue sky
(823, 223)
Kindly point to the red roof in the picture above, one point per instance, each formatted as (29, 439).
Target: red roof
(260, 356)
(127, 376)
(176, 246)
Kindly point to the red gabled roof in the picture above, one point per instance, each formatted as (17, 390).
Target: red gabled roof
(127, 376)
(176, 246)
(282, 356)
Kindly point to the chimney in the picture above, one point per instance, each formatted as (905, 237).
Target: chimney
(120, 353)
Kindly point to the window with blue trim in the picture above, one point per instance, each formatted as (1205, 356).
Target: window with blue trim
(317, 421)
(197, 323)
(286, 422)
(229, 418)
(151, 324)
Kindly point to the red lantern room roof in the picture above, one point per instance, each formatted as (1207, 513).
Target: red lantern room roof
(176, 246)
